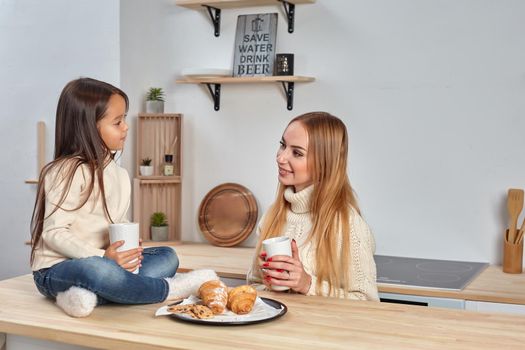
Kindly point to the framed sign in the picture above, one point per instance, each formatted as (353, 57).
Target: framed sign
(255, 45)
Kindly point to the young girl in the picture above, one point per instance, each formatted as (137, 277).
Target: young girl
(332, 246)
(79, 194)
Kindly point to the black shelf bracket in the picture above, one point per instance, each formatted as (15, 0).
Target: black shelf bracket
(215, 15)
(288, 91)
(289, 8)
(215, 92)
(215, 95)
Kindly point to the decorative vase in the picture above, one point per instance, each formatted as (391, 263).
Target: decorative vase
(146, 170)
(154, 106)
(159, 233)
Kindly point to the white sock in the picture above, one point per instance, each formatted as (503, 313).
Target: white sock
(182, 285)
(77, 302)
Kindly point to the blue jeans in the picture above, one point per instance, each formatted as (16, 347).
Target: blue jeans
(109, 281)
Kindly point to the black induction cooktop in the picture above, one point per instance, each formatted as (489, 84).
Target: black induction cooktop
(426, 273)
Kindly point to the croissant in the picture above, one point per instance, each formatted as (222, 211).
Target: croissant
(241, 299)
(214, 295)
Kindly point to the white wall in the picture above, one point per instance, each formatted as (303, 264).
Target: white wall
(146, 42)
(43, 45)
(431, 91)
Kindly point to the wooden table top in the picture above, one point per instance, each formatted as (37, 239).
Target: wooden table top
(491, 285)
(311, 323)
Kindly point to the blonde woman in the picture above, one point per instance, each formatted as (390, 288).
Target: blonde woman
(332, 246)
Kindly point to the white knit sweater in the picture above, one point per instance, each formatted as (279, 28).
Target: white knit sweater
(362, 266)
(81, 233)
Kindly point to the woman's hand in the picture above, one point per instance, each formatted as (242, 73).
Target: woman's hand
(281, 270)
(128, 259)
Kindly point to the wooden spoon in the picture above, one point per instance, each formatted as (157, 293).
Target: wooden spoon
(514, 206)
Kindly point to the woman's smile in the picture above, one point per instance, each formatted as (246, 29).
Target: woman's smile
(284, 172)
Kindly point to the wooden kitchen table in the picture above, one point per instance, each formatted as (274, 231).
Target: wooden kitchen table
(311, 323)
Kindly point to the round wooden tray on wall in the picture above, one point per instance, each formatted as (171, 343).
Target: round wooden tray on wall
(228, 214)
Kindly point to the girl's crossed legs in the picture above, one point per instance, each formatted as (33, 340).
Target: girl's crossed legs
(109, 281)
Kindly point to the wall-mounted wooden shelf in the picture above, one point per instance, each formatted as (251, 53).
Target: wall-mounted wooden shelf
(214, 8)
(228, 4)
(244, 80)
(287, 81)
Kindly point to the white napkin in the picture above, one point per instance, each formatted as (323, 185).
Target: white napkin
(260, 311)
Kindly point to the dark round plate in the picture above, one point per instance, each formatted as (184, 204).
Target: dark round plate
(272, 302)
(228, 214)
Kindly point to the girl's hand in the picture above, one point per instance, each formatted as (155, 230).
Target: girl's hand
(281, 270)
(128, 260)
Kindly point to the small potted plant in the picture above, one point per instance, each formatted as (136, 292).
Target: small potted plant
(146, 169)
(155, 100)
(159, 227)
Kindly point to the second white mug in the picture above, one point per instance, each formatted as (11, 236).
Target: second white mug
(127, 232)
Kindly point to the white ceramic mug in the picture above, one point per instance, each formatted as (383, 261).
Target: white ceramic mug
(127, 232)
(278, 246)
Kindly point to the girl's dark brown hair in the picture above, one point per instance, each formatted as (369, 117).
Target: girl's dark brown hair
(82, 103)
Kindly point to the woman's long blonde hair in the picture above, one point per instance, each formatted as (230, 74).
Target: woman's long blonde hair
(330, 202)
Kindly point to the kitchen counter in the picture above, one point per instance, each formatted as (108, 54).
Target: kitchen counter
(491, 285)
(230, 262)
(311, 323)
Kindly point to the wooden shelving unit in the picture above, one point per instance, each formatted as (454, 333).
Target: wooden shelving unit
(214, 8)
(287, 81)
(157, 135)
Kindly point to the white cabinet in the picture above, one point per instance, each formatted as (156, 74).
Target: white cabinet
(448, 303)
(483, 306)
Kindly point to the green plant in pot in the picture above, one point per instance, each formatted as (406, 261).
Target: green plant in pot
(146, 169)
(159, 227)
(155, 100)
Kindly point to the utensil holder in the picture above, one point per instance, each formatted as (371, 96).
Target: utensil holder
(512, 257)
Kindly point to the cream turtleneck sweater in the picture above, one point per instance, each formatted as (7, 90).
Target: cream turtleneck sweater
(362, 270)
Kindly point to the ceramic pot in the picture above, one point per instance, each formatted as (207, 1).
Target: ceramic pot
(159, 233)
(154, 106)
(146, 170)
